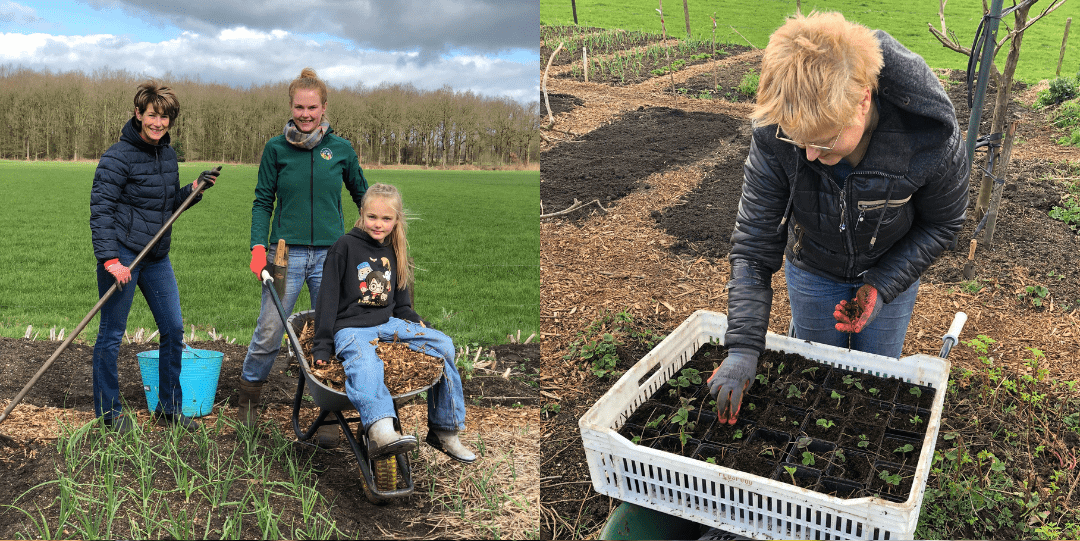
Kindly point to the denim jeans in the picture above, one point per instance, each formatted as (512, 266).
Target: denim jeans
(813, 300)
(305, 265)
(158, 285)
(364, 383)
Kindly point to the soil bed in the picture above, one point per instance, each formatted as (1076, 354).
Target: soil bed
(494, 404)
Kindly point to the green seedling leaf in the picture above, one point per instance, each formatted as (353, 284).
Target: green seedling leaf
(907, 448)
(825, 423)
(893, 479)
(793, 391)
(807, 458)
(711, 460)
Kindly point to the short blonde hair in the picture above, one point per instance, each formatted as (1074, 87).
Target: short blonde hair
(814, 74)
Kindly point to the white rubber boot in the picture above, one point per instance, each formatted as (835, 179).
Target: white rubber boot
(384, 440)
(448, 442)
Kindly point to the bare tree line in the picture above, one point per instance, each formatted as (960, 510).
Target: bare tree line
(75, 116)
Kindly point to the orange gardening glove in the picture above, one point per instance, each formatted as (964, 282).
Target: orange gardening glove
(855, 315)
(118, 270)
(258, 260)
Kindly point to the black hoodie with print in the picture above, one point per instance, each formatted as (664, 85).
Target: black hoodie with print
(359, 289)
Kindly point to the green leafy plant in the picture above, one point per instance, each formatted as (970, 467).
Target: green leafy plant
(864, 441)
(793, 391)
(850, 380)
(1034, 294)
(711, 460)
(915, 420)
(906, 448)
(808, 458)
(1060, 90)
(791, 472)
(916, 391)
(737, 435)
(837, 397)
(748, 86)
(825, 423)
(892, 479)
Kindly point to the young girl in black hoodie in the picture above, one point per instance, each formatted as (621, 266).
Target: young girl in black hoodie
(366, 295)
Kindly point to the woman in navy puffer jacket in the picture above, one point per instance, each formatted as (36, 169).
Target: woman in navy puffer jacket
(136, 190)
(857, 176)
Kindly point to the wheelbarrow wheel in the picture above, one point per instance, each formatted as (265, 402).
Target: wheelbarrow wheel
(381, 473)
(386, 474)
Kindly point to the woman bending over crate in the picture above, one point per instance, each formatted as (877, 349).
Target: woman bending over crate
(366, 294)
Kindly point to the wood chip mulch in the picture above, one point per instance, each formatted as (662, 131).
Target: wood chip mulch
(404, 370)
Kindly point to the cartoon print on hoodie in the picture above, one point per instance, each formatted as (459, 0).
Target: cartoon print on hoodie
(374, 284)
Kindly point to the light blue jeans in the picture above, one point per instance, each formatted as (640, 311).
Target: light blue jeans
(364, 383)
(305, 266)
(813, 300)
(157, 282)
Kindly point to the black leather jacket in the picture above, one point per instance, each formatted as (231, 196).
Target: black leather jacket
(903, 204)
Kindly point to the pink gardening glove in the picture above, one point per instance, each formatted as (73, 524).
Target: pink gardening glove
(118, 270)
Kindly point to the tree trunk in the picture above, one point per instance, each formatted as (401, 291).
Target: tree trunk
(1000, 110)
(686, 14)
(1001, 106)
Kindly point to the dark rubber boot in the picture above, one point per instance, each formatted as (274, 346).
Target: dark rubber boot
(247, 407)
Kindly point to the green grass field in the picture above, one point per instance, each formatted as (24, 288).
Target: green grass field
(755, 20)
(474, 236)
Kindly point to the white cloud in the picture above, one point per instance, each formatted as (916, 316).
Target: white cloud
(241, 56)
(12, 12)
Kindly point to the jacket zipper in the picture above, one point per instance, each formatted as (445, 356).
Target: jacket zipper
(311, 198)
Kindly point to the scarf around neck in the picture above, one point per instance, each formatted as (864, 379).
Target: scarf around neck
(305, 140)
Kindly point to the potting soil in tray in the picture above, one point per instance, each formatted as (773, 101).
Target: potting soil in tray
(852, 425)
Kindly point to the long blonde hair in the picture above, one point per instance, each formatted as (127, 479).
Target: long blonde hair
(397, 237)
(814, 73)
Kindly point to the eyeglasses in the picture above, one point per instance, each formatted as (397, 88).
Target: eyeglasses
(804, 145)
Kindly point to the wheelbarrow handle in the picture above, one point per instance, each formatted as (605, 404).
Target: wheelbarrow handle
(952, 336)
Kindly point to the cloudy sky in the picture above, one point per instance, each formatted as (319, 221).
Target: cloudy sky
(490, 47)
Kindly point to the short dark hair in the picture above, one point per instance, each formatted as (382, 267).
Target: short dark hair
(160, 96)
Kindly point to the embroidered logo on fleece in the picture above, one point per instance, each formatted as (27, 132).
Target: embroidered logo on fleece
(326, 154)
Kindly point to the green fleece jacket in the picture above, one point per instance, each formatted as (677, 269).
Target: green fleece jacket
(306, 185)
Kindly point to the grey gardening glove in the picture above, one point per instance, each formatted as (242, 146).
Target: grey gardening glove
(728, 382)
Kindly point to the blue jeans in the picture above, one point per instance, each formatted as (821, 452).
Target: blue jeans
(813, 300)
(158, 284)
(305, 265)
(364, 383)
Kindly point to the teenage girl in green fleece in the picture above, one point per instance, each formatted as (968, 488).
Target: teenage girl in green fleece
(302, 170)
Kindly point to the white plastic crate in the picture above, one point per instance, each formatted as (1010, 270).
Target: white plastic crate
(737, 501)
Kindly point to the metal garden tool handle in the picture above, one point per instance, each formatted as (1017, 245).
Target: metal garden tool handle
(101, 302)
(268, 283)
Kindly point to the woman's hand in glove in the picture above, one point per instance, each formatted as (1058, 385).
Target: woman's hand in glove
(863, 309)
(728, 382)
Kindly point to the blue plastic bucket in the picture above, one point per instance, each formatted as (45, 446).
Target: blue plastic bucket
(199, 371)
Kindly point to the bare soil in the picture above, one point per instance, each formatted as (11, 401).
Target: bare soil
(667, 170)
(65, 392)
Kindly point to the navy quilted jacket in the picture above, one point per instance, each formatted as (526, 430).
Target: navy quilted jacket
(902, 205)
(136, 190)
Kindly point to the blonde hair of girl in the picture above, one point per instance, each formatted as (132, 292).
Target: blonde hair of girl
(392, 196)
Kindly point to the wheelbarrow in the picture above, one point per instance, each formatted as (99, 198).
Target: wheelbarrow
(379, 477)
